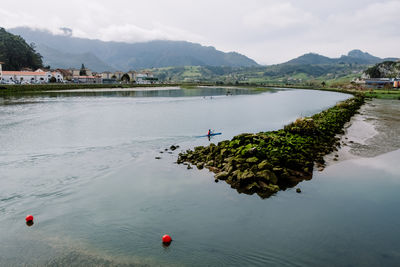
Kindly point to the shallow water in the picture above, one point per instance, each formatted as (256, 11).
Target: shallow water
(85, 167)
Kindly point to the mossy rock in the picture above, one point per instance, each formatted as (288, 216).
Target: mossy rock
(264, 165)
(252, 187)
(222, 176)
(267, 175)
(200, 165)
(224, 152)
(268, 187)
(252, 160)
(246, 175)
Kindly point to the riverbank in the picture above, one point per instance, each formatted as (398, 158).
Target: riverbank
(374, 131)
(38, 88)
(267, 162)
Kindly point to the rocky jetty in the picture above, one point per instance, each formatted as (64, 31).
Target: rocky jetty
(267, 162)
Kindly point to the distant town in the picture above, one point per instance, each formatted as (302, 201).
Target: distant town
(81, 76)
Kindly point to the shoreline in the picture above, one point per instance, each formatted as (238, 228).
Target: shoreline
(371, 133)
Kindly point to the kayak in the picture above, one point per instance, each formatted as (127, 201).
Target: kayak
(209, 135)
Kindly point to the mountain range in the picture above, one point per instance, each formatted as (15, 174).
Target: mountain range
(66, 51)
(170, 58)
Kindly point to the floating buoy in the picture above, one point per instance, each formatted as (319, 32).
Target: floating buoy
(29, 218)
(166, 239)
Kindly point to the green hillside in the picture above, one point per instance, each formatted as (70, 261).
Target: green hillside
(16, 53)
(387, 69)
(275, 74)
(308, 69)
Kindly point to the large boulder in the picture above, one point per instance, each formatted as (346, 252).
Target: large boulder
(265, 165)
(222, 176)
(252, 160)
(267, 175)
(246, 175)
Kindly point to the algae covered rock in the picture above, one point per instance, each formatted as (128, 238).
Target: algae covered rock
(222, 176)
(267, 175)
(247, 174)
(252, 160)
(264, 165)
(200, 165)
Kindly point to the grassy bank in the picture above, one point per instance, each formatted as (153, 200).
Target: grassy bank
(383, 94)
(267, 162)
(37, 88)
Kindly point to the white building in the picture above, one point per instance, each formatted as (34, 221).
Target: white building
(58, 76)
(107, 75)
(145, 78)
(31, 76)
(38, 76)
(26, 76)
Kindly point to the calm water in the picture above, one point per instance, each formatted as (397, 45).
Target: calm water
(85, 167)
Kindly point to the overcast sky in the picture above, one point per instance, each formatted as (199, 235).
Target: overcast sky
(269, 31)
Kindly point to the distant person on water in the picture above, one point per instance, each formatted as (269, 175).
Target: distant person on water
(209, 133)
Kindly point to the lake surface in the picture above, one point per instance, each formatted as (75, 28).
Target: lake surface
(84, 165)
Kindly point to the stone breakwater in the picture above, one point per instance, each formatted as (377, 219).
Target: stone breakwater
(267, 162)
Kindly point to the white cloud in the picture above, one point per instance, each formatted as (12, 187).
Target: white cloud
(133, 33)
(276, 16)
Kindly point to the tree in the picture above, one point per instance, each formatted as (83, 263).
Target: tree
(82, 71)
(125, 78)
(323, 84)
(388, 86)
(374, 72)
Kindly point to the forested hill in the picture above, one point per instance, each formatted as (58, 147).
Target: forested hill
(16, 54)
(387, 69)
(353, 57)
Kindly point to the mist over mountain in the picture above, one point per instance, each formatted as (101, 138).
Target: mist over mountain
(65, 50)
(353, 57)
(58, 59)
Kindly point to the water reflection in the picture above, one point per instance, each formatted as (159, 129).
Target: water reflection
(262, 189)
(149, 92)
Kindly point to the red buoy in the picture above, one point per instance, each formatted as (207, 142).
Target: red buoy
(29, 218)
(166, 239)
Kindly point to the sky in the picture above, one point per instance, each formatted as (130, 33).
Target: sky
(268, 31)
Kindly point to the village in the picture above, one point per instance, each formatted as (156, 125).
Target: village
(379, 83)
(86, 76)
(81, 76)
